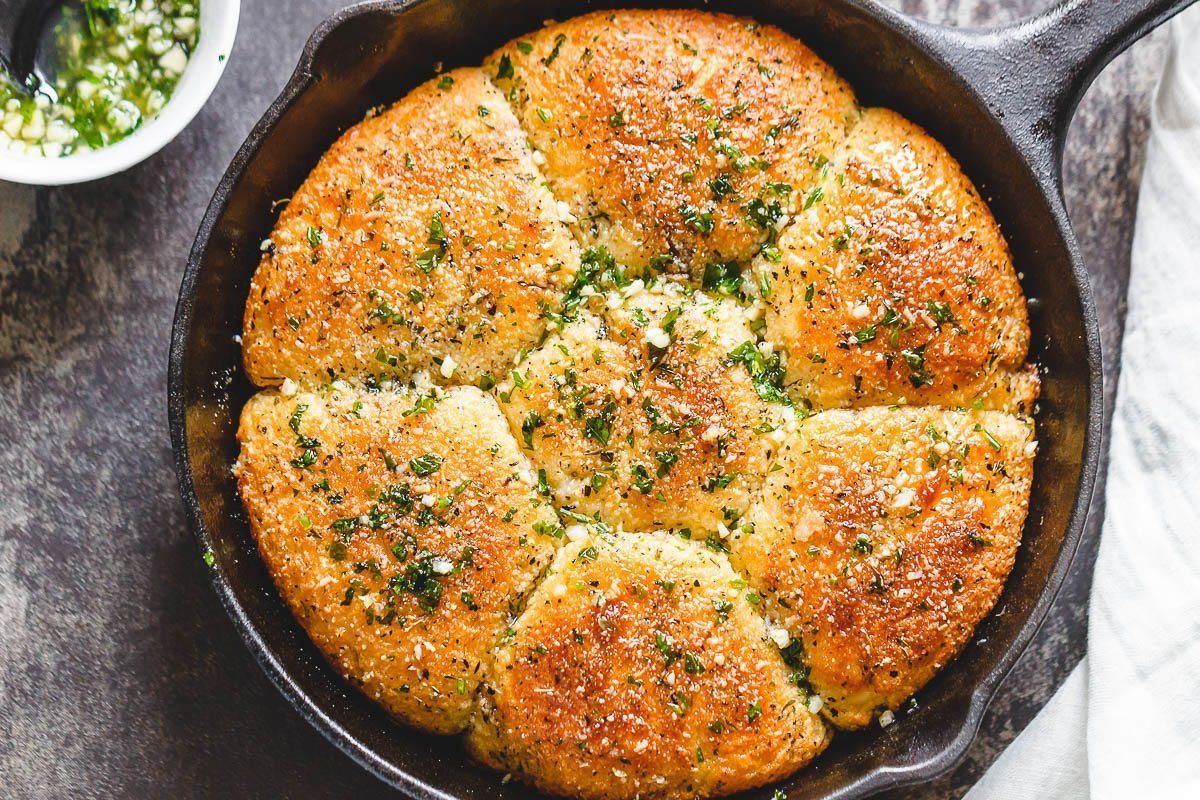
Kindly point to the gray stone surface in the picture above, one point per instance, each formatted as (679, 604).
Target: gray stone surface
(120, 675)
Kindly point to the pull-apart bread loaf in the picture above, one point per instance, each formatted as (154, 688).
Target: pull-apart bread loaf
(639, 405)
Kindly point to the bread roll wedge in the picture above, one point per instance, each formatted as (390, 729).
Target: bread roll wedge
(676, 137)
(401, 530)
(646, 412)
(423, 241)
(895, 285)
(883, 536)
(640, 669)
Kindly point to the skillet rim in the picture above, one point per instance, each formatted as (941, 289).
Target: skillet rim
(922, 36)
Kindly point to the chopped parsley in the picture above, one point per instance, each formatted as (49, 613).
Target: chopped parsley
(420, 579)
(599, 427)
(531, 422)
(700, 221)
(915, 359)
(425, 465)
(813, 197)
(724, 278)
(940, 312)
(762, 214)
(665, 646)
(438, 241)
(720, 187)
(504, 69)
(559, 41)
(766, 371)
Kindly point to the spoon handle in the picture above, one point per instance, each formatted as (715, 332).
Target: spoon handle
(21, 23)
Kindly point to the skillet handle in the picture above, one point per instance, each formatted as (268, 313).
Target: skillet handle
(1032, 74)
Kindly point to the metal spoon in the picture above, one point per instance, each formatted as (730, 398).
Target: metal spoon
(23, 25)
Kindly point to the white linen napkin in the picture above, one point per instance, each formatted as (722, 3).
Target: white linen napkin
(1126, 723)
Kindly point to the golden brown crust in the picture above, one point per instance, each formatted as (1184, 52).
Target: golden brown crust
(896, 286)
(650, 120)
(425, 232)
(404, 580)
(640, 670)
(881, 540)
(647, 436)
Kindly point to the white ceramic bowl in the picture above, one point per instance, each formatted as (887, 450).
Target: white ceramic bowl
(218, 24)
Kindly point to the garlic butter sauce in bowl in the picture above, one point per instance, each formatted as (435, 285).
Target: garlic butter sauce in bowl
(130, 75)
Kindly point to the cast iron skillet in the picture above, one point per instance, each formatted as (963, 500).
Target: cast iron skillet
(1000, 100)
